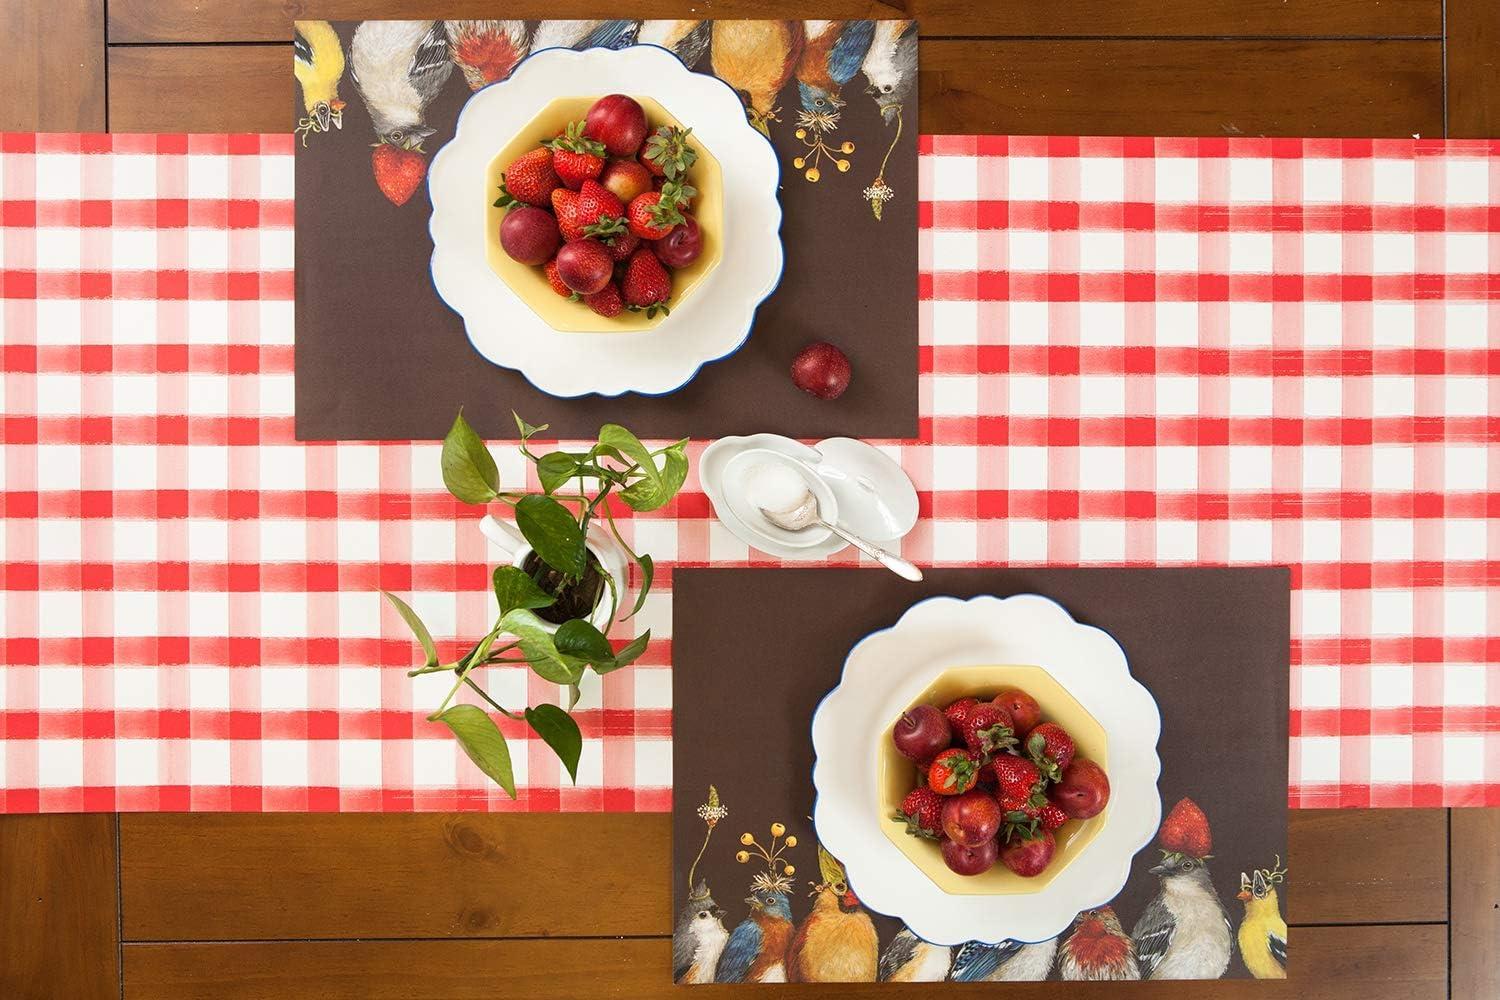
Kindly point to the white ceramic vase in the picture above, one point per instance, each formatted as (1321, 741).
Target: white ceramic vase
(612, 558)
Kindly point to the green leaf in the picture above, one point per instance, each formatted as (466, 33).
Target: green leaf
(660, 485)
(482, 740)
(628, 655)
(429, 648)
(558, 730)
(648, 570)
(527, 430)
(468, 467)
(556, 468)
(574, 693)
(553, 533)
(580, 639)
(540, 650)
(514, 589)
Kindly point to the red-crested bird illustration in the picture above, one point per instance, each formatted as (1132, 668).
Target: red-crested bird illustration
(487, 51)
(1097, 949)
(757, 58)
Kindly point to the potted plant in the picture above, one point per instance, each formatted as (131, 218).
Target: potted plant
(564, 586)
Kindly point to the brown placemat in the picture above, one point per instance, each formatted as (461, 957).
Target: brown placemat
(754, 651)
(379, 356)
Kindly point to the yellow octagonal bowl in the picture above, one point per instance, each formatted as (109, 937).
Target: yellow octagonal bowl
(899, 776)
(530, 283)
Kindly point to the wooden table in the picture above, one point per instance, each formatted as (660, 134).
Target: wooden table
(283, 907)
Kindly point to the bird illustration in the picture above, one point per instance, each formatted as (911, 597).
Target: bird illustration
(836, 943)
(1184, 932)
(399, 67)
(1098, 948)
(756, 949)
(909, 959)
(583, 34)
(890, 66)
(1006, 962)
(318, 63)
(756, 58)
(698, 938)
(1262, 933)
(487, 51)
(831, 55)
(689, 39)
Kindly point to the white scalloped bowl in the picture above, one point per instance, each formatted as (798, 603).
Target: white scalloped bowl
(888, 671)
(706, 326)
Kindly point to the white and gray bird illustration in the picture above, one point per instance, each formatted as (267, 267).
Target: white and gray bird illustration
(399, 67)
(890, 66)
(1184, 932)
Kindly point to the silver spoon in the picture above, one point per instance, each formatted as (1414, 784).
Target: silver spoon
(806, 513)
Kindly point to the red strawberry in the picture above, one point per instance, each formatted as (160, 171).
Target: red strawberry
(987, 729)
(646, 285)
(606, 302)
(1052, 817)
(576, 157)
(565, 207)
(622, 245)
(599, 211)
(958, 712)
(1016, 775)
(653, 215)
(1185, 830)
(398, 171)
(667, 153)
(953, 772)
(555, 280)
(1051, 748)
(529, 178)
(922, 812)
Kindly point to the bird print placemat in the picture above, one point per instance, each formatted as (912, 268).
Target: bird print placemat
(755, 651)
(380, 357)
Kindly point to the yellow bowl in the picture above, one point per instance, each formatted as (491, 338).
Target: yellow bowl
(899, 776)
(530, 283)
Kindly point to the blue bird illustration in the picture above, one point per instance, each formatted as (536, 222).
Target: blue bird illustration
(909, 959)
(689, 39)
(756, 949)
(1006, 962)
(832, 54)
(891, 66)
(584, 34)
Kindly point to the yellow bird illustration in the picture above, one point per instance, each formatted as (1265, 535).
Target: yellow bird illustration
(837, 942)
(1263, 930)
(756, 58)
(318, 62)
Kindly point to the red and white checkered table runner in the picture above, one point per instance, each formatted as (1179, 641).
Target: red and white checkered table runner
(1140, 351)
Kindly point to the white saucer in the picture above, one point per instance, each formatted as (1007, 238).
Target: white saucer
(868, 489)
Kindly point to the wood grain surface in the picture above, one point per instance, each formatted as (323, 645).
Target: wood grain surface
(1342, 962)
(270, 20)
(52, 69)
(59, 935)
(1198, 87)
(232, 907)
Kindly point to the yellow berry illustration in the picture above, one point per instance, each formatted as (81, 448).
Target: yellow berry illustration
(791, 841)
(742, 856)
(791, 869)
(813, 173)
(847, 147)
(747, 839)
(777, 829)
(843, 166)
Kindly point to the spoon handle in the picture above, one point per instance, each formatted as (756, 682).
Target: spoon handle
(902, 568)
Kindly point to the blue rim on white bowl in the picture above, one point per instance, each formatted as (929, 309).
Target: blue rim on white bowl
(889, 668)
(712, 324)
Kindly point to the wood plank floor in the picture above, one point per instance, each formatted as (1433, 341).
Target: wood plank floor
(174, 907)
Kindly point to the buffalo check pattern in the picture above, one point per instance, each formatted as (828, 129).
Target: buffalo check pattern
(1134, 351)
